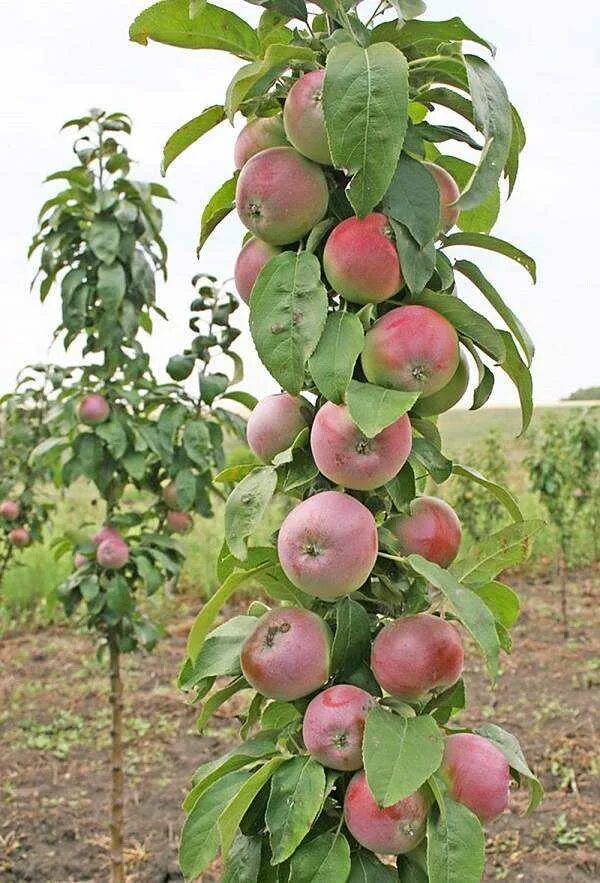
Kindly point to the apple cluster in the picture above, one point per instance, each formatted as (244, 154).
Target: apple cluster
(19, 535)
(328, 544)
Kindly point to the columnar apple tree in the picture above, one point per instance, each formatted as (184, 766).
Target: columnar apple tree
(113, 423)
(354, 211)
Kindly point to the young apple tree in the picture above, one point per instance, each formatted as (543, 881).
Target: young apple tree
(354, 204)
(113, 423)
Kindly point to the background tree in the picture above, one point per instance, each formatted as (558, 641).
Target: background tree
(564, 469)
(24, 510)
(113, 424)
(355, 312)
(479, 512)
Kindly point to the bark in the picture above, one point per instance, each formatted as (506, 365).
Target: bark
(116, 820)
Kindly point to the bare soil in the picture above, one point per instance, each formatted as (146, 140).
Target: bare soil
(54, 758)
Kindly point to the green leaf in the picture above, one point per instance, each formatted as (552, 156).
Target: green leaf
(243, 398)
(190, 132)
(365, 101)
(482, 218)
(212, 386)
(400, 754)
(217, 699)
(402, 488)
(430, 456)
(244, 859)
(279, 714)
(248, 753)
(409, 868)
(467, 321)
(506, 547)
(118, 597)
(410, 8)
(258, 76)
(199, 837)
(220, 653)
(468, 607)
(235, 810)
(104, 237)
(234, 473)
(453, 30)
(502, 601)
(288, 310)
(509, 746)
(503, 495)
(246, 506)
(413, 199)
(211, 608)
(317, 234)
(322, 860)
(366, 868)
(492, 243)
(212, 28)
(135, 465)
(520, 375)
(217, 208)
(196, 443)
(492, 115)
(115, 437)
(185, 489)
(332, 363)
(517, 143)
(513, 323)
(296, 798)
(180, 367)
(443, 706)
(373, 408)
(111, 285)
(455, 845)
(417, 263)
(352, 640)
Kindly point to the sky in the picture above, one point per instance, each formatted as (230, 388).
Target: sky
(60, 57)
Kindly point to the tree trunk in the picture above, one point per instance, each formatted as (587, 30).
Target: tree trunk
(116, 733)
(562, 571)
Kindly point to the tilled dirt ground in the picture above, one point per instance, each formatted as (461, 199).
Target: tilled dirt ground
(54, 773)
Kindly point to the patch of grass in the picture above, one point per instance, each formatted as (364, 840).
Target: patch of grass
(56, 737)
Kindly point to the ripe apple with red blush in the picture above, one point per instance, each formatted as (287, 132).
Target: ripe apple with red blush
(361, 261)
(328, 545)
(334, 724)
(347, 457)
(477, 774)
(414, 655)
(303, 117)
(106, 532)
(257, 135)
(281, 195)
(390, 830)
(275, 423)
(449, 193)
(432, 530)
(179, 522)
(19, 537)
(252, 258)
(411, 348)
(287, 656)
(448, 396)
(112, 554)
(93, 409)
(10, 510)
